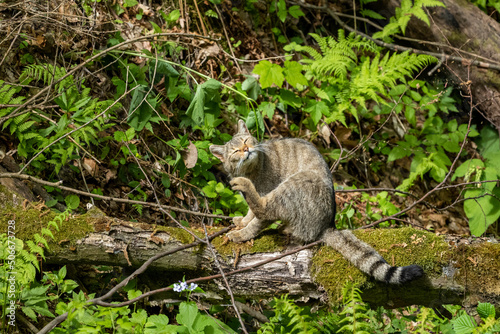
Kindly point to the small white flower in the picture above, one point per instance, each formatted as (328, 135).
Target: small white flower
(177, 287)
(192, 286)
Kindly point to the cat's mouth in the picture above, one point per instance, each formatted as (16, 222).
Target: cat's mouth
(248, 153)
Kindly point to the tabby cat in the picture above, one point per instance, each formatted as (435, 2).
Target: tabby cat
(288, 180)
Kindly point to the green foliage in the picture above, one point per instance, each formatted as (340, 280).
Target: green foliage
(355, 316)
(487, 6)
(403, 15)
(354, 313)
(36, 131)
(288, 318)
(482, 205)
(379, 206)
(340, 77)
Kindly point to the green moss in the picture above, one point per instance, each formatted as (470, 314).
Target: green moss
(269, 241)
(400, 247)
(478, 267)
(180, 234)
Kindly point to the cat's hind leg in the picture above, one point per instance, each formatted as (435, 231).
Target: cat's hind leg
(244, 221)
(254, 227)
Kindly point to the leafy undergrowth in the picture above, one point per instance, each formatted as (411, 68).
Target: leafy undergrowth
(123, 100)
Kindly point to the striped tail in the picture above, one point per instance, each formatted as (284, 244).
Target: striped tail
(364, 257)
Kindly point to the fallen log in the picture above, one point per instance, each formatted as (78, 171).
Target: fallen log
(458, 270)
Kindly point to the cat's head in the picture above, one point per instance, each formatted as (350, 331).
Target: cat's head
(239, 155)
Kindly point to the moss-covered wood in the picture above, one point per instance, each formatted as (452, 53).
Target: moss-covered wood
(458, 270)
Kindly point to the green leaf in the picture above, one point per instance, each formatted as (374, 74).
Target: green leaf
(486, 310)
(268, 108)
(372, 14)
(269, 74)
(205, 93)
(482, 211)
(130, 3)
(488, 141)
(140, 110)
(72, 201)
(317, 109)
(398, 152)
(467, 167)
(293, 74)
(463, 324)
(251, 86)
(289, 98)
(51, 203)
(255, 118)
(282, 13)
(62, 272)
(295, 11)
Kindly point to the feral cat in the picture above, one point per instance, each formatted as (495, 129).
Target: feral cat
(288, 180)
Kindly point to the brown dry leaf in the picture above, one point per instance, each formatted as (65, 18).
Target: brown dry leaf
(209, 51)
(440, 219)
(324, 132)
(110, 174)
(39, 41)
(146, 10)
(69, 11)
(190, 155)
(343, 135)
(90, 166)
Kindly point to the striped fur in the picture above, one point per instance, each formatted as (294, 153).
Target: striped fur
(288, 180)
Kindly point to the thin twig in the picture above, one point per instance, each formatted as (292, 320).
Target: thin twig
(108, 198)
(228, 287)
(227, 37)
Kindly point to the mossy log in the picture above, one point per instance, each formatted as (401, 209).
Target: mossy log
(458, 270)
(466, 28)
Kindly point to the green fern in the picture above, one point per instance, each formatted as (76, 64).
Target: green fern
(289, 318)
(47, 73)
(355, 312)
(336, 57)
(355, 72)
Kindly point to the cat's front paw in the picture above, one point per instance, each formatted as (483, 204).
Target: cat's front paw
(239, 236)
(241, 184)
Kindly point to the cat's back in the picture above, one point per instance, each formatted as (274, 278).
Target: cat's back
(288, 156)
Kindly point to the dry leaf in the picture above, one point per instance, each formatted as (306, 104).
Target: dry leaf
(190, 155)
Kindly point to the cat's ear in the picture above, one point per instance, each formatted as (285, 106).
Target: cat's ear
(218, 151)
(242, 127)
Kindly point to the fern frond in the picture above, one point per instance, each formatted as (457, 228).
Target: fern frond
(33, 248)
(40, 240)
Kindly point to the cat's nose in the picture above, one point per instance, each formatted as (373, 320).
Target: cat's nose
(245, 149)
